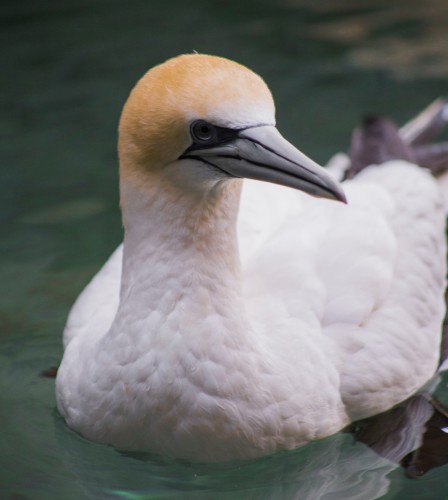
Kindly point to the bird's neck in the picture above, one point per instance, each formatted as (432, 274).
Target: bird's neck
(181, 252)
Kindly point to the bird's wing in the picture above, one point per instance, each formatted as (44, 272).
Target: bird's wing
(95, 308)
(401, 336)
(369, 276)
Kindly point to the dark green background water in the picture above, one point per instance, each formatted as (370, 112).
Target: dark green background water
(66, 69)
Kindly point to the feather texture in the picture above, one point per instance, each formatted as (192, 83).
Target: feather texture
(208, 341)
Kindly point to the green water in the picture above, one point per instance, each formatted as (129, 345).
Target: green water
(67, 68)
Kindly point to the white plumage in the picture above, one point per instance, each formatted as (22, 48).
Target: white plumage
(334, 314)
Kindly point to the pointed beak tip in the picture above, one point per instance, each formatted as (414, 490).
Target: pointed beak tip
(334, 191)
(338, 196)
(341, 197)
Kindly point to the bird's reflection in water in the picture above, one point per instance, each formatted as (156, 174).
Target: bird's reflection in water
(414, 434)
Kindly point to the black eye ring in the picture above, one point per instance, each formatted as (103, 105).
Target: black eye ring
(203, 132)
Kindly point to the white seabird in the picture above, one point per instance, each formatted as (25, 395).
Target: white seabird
(229, 329)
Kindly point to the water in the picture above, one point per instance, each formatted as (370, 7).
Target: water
(67, 68)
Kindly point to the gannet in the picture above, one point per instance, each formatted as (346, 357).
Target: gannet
(237, 322)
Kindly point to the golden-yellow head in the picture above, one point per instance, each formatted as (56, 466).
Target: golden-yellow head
(196, 120)
(154, 125)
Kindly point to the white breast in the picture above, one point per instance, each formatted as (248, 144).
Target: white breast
(357, 287)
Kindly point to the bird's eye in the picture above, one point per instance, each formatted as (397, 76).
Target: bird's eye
(203, 132)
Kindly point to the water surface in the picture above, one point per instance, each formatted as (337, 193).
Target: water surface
(67, 68)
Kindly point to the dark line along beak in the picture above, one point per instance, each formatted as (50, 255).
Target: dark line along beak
(261, 153)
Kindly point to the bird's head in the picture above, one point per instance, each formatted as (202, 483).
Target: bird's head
(198, 120)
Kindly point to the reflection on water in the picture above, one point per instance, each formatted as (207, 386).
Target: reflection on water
(69, 67)
(410, 40)
(334, 466)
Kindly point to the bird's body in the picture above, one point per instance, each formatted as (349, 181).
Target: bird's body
(230, 329)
